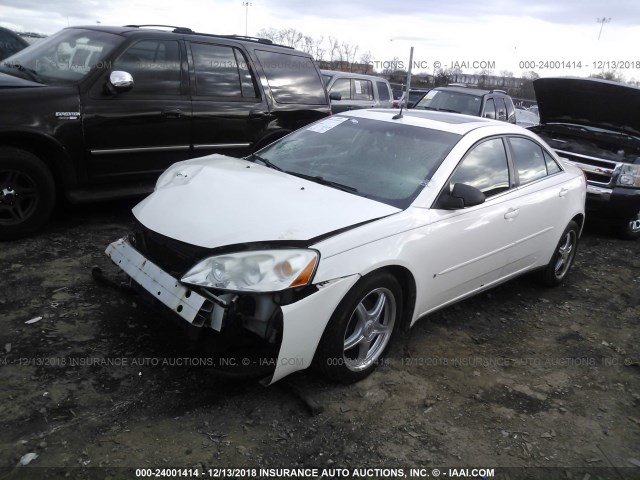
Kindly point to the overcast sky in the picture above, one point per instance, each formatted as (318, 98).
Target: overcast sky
(506, 33)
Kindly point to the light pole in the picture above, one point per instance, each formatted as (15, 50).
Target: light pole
(246, 17)
(602, 21)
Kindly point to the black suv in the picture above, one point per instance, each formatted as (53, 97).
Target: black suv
(494, 104)
(99, 112)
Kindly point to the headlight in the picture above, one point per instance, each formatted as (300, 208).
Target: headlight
(255, 271)
(629, 176)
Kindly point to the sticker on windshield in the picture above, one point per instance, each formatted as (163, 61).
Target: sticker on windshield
(326, 124)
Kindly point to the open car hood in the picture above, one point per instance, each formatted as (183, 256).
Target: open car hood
(217, 200)
(590, 102)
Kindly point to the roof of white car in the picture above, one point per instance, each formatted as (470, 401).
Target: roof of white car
(443, 121)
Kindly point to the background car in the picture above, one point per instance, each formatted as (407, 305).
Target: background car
(10, 43)
(495, 104)
(99, 112)
(594, 124)
(526, 118)
(415, 95)
(351, 91)
(350, 229)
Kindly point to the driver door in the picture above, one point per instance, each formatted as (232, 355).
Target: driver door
(137, 134)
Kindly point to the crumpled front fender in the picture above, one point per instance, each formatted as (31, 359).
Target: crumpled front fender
(304, 323)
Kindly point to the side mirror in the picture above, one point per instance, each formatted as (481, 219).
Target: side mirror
(462, 196)
(335, 96)
(120, 82)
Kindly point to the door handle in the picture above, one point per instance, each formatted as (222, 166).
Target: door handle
(512, 213)
(259, 115)
(563, 192)
(172, 113)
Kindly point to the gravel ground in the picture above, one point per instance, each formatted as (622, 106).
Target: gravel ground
(520, 376)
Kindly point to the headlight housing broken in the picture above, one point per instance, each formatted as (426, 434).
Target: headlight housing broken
(255, 271)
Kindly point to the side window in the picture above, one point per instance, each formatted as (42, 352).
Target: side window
(501, 109)
(484, 167)
(343, 86)
(383, 92)
(217, 72)
(292, 78)
(528, 159)
(154, 66)
(361, 90)
(489, 109)
(552, 165)
(511, 112)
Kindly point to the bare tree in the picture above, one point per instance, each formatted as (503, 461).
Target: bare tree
(367, 60)
(609, 75)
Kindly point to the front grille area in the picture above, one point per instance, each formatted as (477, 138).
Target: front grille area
(599, 172)
(173, 256)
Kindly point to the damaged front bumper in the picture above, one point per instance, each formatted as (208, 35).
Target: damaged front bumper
(292, 328)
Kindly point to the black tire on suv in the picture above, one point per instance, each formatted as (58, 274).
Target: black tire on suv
(27, 193)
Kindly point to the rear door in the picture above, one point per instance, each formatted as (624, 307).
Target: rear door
(229, 110)
(139, 133)
(539, 195)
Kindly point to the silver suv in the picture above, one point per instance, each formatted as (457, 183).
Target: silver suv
(351, 91)
(494, 104)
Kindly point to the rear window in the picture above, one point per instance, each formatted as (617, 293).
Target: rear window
(292, 78)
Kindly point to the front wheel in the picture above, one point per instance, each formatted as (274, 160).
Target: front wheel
(563, 256)
(630, 229)
(27, 193)
(360, 330)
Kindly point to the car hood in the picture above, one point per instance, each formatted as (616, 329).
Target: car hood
(9, 81)
(589, 102)
(217, 200)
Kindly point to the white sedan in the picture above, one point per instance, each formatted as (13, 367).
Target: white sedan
(323, 244)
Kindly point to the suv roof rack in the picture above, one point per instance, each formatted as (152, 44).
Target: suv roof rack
(264, 41)
(498, 91)
(175, 29)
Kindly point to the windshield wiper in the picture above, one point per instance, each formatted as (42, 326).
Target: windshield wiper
(30, 73)
(438, 109)
(253, 157)
(323, 181)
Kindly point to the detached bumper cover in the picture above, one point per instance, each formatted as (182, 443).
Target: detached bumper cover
(184, 302)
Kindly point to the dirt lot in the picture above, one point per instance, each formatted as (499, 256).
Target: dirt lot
(518, 377)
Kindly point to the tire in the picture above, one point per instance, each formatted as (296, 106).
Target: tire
(562, 258)
(630, 229)
(27, 193)
(360, 330)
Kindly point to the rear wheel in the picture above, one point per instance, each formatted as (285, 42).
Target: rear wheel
(27, 193)
(360, 330)
(563, 256)
(630, 229)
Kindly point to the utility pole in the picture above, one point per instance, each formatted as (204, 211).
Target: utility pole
(246, 5)
(602, 21)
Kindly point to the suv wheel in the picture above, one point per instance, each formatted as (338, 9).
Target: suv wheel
(630, 229)
(27, 193)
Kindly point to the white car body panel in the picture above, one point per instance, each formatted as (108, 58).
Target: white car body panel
(304, 323)
(450, 254)
(260, 204)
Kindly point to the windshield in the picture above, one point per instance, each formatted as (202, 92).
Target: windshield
(449, 101)
(384, 161)
(65, 57)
